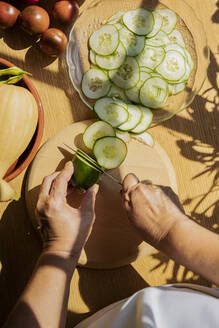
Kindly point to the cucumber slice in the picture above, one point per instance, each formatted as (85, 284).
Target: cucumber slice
(174, 89)
(96, 131)
(156, 75)
(176, 37)
(158, 21)
(89, 160)
(112, 61)
(119, 26)
(189, 59)
(133, 93)
(140, 21)
(169, 20)
(173, 66)
(105, 40)
(154, 92)
(145, 122)
(186, 75)
(125, 136)
(117, 17)
(127, 75)
(116, 92)
(145, 137)
(110, 152)
(92, 57)
(95, 83)
(175, 47)
(159, 40)
(146, 69)
(111, 112)
(85, 175)
(132, 42)
(135, 115)
(150, 57)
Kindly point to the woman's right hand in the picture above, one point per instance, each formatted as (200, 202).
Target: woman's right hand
(153, 210)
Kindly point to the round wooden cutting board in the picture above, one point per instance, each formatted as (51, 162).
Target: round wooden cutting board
(113, 241)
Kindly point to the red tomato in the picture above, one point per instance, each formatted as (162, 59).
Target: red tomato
(34, 20)
(65, 12)
(53, 42)
(8, 15)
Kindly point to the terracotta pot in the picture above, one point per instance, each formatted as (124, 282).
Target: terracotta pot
(24, 160)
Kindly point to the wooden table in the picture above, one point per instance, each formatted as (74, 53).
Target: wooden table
(191, 141)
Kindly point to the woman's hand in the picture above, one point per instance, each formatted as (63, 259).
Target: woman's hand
(154, 210)
(65, 228)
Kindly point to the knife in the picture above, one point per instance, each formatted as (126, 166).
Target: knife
(102, 171)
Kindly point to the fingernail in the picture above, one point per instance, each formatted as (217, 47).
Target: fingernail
(68, 165)
(95, 188)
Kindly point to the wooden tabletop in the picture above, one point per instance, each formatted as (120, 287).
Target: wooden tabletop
(191, 141)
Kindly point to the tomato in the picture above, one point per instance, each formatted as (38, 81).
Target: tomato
(34, 20)
(65, 12)
(53, 42)
(8, 15)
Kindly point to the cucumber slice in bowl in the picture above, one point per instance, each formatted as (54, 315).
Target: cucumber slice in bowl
(133, 93)
(92, 57)
(105, 40)
(116, 18)
(145, 121)
(173, 66)
(154, 92)
(174, 89)
(96, 131)
(110, 152)
(112, 61)
(158, 21)
(127, 75)
(132, 42)
(95, 83)
(175, 47)
(159, 40)
(110, 111)
(176, 37)
(116, 92)
(135, 115)
(150, 57)
(169, 20)
(124, 135)
(140, 21)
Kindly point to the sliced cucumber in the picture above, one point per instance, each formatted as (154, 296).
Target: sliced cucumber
(189, 59)
(92, 57)
(175, 47)
(127, 75)
(169, 20)
(111, 112)
(158, 21)
(146, 69)
(116, 18)
(112, 61)
(133, 93)
(110, 152)
(135, 115)
(174, 89)
(119, 26)
(145, 122)
(176, 37)
(140, 21)
(85, 175)
(173, 66)
(156, 75)
(159, 40)
(124, 135)
(96, 131)
(154, 92)
(150, 57)
(132, 42)
(116, 92)
(186, 75)
(105, 40)
(145, 137)
(95, 83)
(81, 154)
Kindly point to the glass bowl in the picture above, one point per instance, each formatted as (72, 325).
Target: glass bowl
(98, 11)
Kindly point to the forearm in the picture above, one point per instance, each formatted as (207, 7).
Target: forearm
(44, 301)
(195, 247)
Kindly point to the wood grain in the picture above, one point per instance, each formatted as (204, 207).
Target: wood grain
(191, 141)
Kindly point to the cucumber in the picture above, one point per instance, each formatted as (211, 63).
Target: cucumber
(95, 83)
(133, 93)
(169, 20)
(146, 69)
(92, 162)
(95, 131)
(173, 66)
(186, 75)
(132, 42)
(158, 21)
(105, 40)
(154, 92)
(110, 152)
(92, 57)
(174, 89)
(150, 57)
(189, 59)
(175, 47)
(145, 137)
(119, 26)
(116, 92)
(176, 37)
(127, 75)
(124, 135)
(135, 115)
(112, 61)
(145, 122)
(159, 40)
(140, 21)
(116, 18)
(109, 110)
